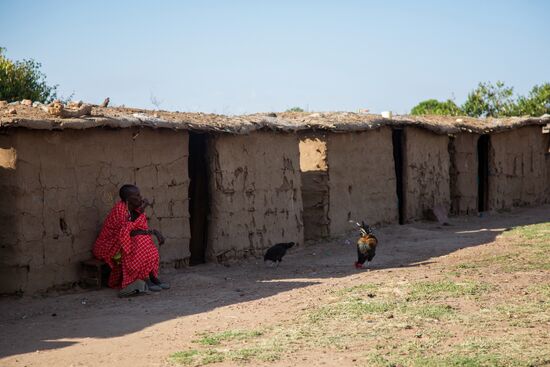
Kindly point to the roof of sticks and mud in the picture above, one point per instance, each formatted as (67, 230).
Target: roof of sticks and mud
(37, 116)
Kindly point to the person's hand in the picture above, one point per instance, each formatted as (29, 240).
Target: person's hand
(160, 237)
(144, 204)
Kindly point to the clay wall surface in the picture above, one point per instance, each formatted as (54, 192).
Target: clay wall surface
(426, 172)
(315, 186)
(60, 187)
(547, 157)
(361, 179)
(313, 153)
(518, 168)
(464, 173)
(255, 193)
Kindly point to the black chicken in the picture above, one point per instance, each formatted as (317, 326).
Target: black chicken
(276, 252)
(366, 245)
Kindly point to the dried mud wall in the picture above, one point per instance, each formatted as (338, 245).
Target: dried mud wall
(315, 186)
(426, 172)
(57, 187)
(463, 150)
(255, 194)
(547, 157)
(518, 168)
(362, 178)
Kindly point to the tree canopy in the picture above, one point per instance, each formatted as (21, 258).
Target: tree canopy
(537, 103)
(23, 80)
(491, 100)
(435, 107)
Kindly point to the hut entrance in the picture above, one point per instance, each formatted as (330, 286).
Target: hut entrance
(482, 173)
(315, 188)
(398, 140)
(198, 196)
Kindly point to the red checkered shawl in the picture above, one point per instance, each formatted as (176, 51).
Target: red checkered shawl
(140, 257)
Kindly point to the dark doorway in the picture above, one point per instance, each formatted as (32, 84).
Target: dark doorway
(398, 140)
(482, 173)
(315, 186)
(199, 202)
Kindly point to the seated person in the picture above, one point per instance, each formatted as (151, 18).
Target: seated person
(125, 244)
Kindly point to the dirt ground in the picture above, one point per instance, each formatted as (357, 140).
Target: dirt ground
(95, 328)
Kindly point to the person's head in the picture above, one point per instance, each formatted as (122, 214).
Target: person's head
(131, 196)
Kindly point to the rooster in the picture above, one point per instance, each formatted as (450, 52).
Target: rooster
(366, 245)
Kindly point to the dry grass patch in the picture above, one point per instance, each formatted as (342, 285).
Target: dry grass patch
(452, 321)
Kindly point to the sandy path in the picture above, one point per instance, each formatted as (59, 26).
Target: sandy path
(98, 329)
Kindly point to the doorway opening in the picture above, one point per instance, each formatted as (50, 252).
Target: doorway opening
(483, 173)
(315, 186)
(199, 199)
(398, 140)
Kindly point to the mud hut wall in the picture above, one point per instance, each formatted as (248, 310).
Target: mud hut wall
(315, 187)
(362, 178)
(517, 168)
(255, 193)
(547, 157)
(65, 182)
(464, 176)
(427, 172)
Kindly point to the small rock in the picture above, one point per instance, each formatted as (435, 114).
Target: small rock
(26, 102)
(12, 111)
(3, 103)
(14, 103)
(390, 316)
(74, 104)
(37, 104)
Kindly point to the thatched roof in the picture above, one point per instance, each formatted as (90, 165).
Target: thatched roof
(38, 118)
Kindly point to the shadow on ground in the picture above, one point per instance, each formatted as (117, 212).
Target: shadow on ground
(42, 323)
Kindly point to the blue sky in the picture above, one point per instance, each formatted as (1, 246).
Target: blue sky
(237, 57)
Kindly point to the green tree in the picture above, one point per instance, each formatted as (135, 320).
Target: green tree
(23, 80)
(295, 109)
(435, 107)
(537, 103)
(489, 100)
